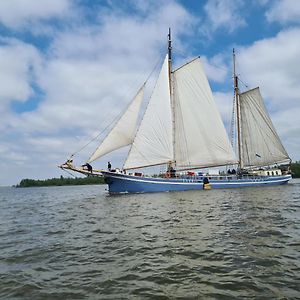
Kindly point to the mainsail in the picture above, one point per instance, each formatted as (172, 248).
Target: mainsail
(153, 142)
(123, 132)
(260, 144)
(200, 137)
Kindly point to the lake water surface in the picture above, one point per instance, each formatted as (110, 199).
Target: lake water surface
(79, 243)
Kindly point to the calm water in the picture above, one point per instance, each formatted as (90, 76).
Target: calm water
(80, 243)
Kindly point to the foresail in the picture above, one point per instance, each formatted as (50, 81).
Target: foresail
(123, 132)
(261, 145)
(153, 142)
(200, 137)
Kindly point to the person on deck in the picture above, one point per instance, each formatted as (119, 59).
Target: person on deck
(109, 166)
(69, 162)
(89, 167)
(171, 171)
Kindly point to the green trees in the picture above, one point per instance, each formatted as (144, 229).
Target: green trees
(61, 181)
(296, 169)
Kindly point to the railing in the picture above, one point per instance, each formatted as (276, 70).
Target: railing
(220, 177)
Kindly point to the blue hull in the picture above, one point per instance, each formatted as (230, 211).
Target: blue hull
(121, 183)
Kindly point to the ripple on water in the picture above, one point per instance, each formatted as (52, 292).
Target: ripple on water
(77, 242)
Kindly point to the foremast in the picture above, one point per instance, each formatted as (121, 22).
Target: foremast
(238, 111)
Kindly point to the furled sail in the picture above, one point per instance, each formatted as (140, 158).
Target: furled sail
(200, 137)
(261, 145)
(123, 132)
(153, 142)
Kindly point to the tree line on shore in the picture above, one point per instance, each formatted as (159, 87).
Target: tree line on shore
(61, 181)
(296, 169)
(100, 180)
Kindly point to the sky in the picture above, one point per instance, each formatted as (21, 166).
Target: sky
(69, 67)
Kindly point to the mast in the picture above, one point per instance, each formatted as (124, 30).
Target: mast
(237, 101)
(170, 59)
(171, 91)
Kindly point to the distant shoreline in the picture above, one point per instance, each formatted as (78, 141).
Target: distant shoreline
(62, 181)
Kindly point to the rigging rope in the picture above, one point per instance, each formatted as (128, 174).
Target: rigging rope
(69, 173)
(246, 86)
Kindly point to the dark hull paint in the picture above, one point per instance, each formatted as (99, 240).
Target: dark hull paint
(121, 183)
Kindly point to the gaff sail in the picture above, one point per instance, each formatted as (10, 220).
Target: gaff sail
(200, 136)
(260, 144)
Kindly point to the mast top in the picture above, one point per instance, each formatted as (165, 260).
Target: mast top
(169, 45)
(235, 77)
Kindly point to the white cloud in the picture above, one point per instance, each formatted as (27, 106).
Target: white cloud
(273, 64)
(92, 72)
(284, 11)
(16, 14)
(18, 63)
(224, 102)
(222, 15)
(216, 68)
(10, 153)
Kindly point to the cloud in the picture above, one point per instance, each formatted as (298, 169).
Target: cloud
(93, 72)
(10, 153)
(224, 102)
(287, 123)
(284, 11)
(273, 64)
(18, 63)
(17, 14)
(222, 15)
(216, 68)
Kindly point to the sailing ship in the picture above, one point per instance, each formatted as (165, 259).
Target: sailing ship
(182, 129)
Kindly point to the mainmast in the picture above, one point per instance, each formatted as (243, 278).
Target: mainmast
(170, 60)
(237, 101)
(171, 91)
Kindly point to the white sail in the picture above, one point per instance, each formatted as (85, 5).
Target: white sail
(123, 132)
(261, 145)
(200, 137)
(153, 142)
